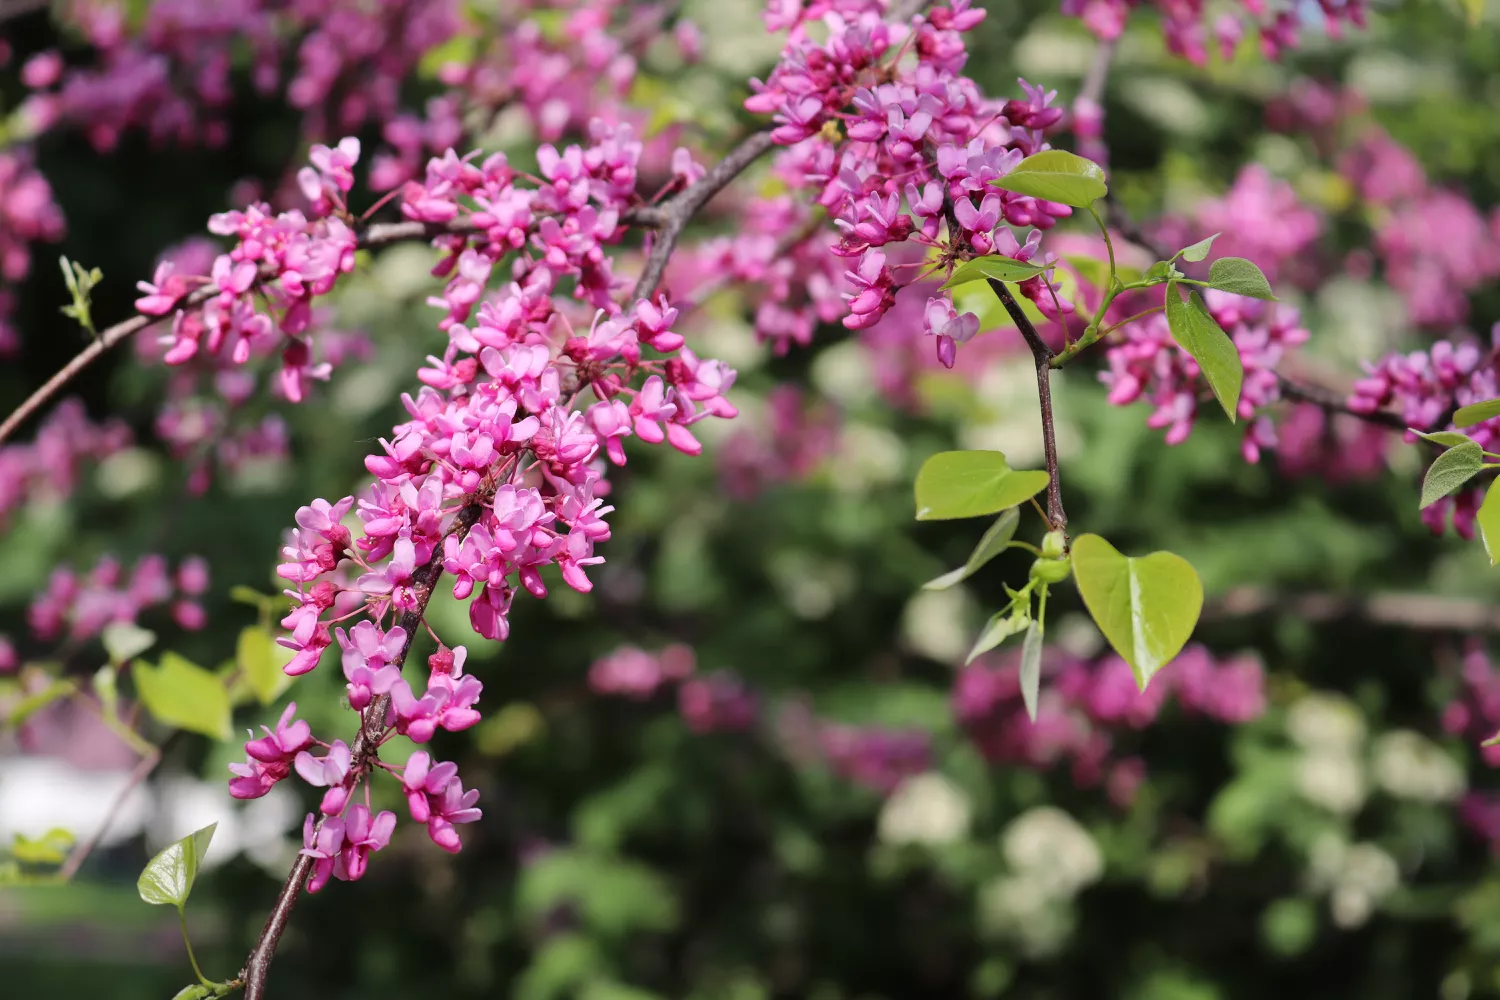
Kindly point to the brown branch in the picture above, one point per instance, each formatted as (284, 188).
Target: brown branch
(80, 854)
(1423, 612)
(362, 753)
(380, 234)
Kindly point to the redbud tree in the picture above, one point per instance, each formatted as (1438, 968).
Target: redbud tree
(482, 288)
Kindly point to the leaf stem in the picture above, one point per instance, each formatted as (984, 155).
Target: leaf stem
(182, 920)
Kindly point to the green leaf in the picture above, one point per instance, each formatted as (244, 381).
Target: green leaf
(1489, 523)
(1445, 438)
(1201, 336)
(1450, 470)
(1474, 9)
(51, 848)
(182, 694)
(197, 991)
(1146, 606)
(954, 484)
(249, 595)
(55, 690)
(1240, 276)
(1198, 250)
(1476, 413)
(124, 641)
(168, 877)
(1031, 667)
(1057, 175)
(1161, 271)
(994, 266)
(1001, 626)
(260, 661)
(991, 544)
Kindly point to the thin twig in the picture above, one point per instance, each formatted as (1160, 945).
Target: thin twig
(80, 854)
(380, 234)
(1041, 355)
(362, 753)
(1098, 73)
(1332, 402)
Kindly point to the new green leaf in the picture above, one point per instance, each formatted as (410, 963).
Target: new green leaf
(125, 641)
(1198, 250)
(1445, 438)
(182, 694)
(260, 661)
(1240, 276)
(1450, 470)
(1200, 335)
(994, 266)
(1476, 413)
(1489, 523)
(1031, 667)
(1057, 175)
(954, 484)
(991, 544)
(1001, 626)
(168, 877)
(1146, 606)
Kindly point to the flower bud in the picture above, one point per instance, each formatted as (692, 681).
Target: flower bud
(1051, 570)
(1054, 545)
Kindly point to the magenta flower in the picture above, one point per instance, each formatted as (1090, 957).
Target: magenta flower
(327, 772)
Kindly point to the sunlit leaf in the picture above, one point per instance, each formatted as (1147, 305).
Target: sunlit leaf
(180, 693)
(1057, 175)
(1198, 250)
(994, 266)
(991, 544)
(1476, 413)
(125, 641)
(1240, 276)
(954, 484)
(1489, 523)
(1001, 626)
(1450, 470)
(260, 660)
(1146, 606)
(1201, 336)
(168, 877)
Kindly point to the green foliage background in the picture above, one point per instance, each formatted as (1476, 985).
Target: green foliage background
(711, 867)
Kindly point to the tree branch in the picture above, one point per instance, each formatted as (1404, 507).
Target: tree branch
(80, 854)
(380, 234)
(1041, 355)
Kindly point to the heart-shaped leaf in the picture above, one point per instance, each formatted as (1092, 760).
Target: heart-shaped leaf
(1240, 276)
(994, 266)
(182, 694)
(1057, 175)
(1489, 523)
(168, 877)
(1476, 413)
(1031, 667)
(1198, 250)
(953, 484)
(1450, 470)
(1201, 336)
(1146, 606)
(991, 544)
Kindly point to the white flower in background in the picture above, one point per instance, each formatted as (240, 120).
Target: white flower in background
(925, 809)
(257, 827)
(1334, 780)
(1355, 876)
(1023, 909)
(1326, 723)
(936, 624)
(39, 793)
(1410, 766)
(1049, 846)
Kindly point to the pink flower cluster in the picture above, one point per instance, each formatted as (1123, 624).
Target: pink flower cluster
(1259, 218)
(170, 74)
(1149, 364)
(79, 607)
(1426, 387)
(51, 465)
(496, 476)
(879, 117)
(27, 215)
(798, 436)
(288, 259)
(1188, 33)
(1474, 713)
(1083, 706)
(1436, 245)
(632, 672)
